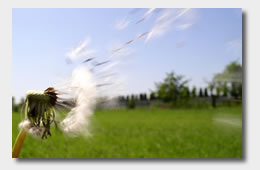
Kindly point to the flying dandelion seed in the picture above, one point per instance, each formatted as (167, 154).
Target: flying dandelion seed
(77, 121)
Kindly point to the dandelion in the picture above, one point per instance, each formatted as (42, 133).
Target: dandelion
(39, 115)
(40, 109)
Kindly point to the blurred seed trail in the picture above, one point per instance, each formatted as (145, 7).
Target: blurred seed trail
(146, 15)
(129, 42)
(101, 63)
(104, 84)
(163, 22)
(87, 60)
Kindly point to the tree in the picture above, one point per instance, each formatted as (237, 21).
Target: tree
(13, 100)
(194, 92)
(206, 92)
(234, 90)
(131, 102)
(185, 92)
(232, 77)
(225, 90)
(232, 74)
(218, 91)
(14, 106)
(170, 89)
(127, 98)
(132, 97)
(136, 97)
(22, 101)
(141, 96)
(152, 96)
(211, 87)
(201, 92)
(144, 97)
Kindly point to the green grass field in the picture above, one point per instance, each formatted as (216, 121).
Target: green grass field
(146, 133)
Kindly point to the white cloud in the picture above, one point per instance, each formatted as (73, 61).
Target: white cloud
(149, 12)
(121, 24)
(167, 17)
(80, 51)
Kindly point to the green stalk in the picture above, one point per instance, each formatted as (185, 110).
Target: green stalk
(19, 143)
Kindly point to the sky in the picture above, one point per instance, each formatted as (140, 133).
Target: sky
(47, 44)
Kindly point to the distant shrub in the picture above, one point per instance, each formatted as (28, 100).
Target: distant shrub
(206, 92)
(201, 93)
(131, 103)
(194, 92)
(17, 107)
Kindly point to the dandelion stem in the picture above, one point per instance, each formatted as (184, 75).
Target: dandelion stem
(19, 143)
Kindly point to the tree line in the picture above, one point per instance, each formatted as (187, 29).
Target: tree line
(174, 88)
(16, 107)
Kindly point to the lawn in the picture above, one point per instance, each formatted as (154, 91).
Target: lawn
(146, 133)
